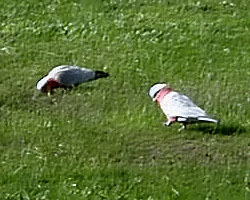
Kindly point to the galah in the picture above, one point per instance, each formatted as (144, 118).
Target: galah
(177, 107)
(66, 76)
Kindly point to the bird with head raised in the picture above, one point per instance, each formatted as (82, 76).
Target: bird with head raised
(177, 107)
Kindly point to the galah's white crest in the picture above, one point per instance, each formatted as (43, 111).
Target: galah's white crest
(66, 76)
(177, 107)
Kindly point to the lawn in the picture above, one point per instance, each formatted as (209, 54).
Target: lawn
(105, 138)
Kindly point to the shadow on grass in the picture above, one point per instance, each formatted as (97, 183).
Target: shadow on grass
(223, 129)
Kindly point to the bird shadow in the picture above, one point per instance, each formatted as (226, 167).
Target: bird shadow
(222, 129)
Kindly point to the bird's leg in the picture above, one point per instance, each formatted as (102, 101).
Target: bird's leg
(170, 121)
(51, 100)
(48, 89)
(183, 127)
(49, 94)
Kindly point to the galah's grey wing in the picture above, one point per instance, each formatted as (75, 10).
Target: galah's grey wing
(181, 106)
(74, 76)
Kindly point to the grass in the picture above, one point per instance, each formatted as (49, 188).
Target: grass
(104, 139)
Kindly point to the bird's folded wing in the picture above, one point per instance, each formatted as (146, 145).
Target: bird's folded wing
(75, 76)
(181, 105)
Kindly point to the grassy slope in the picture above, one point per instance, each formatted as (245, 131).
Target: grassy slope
(104, 139)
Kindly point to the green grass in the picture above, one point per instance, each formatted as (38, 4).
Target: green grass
(104, 139)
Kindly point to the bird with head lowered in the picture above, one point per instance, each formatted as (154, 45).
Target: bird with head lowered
(66, 76)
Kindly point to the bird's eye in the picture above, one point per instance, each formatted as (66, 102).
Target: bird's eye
(156, 93)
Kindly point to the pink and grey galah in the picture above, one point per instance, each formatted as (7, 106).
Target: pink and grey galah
(66, 76)
(177, 107)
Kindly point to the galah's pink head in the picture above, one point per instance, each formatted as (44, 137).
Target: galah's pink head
(155, 89)
(50, 85)
(47, 84)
